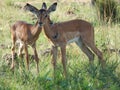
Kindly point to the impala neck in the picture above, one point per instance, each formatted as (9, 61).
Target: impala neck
(47, 28)
(36, 29)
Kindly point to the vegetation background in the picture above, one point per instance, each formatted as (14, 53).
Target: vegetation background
(81, 76)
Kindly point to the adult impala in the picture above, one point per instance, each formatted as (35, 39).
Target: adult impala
(25, 34)
(79, 31)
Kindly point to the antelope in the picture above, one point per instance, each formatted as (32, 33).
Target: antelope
(25, 34)
(79, 31)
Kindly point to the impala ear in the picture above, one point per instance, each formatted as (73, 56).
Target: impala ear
(31, 8)
(52, 7)
(44, 6)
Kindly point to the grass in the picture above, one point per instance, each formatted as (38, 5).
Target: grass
(81, 76)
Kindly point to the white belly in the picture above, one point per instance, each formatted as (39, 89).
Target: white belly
(73, 40)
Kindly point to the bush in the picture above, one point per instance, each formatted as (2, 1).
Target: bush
(107, 10)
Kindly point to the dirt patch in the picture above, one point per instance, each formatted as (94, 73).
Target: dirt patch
(8, 58)
(22, 4)
(69, 12)
(3, 46)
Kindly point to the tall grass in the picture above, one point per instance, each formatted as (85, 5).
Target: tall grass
(81, 75)
(107, 10)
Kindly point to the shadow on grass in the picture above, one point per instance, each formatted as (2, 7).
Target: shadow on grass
(80, 77)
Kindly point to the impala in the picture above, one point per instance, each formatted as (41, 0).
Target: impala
(25, 34)
(79, 31)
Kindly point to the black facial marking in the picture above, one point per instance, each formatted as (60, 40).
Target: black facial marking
(55, 36)
(42, 10)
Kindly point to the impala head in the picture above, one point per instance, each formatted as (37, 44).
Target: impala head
(41, 14)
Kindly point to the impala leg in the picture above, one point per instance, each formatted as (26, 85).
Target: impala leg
(36, 57)
(64, 62)
(13, 52)
(54, 57)
(20, 50)
(89, 42)
(86, 50)
(26, 56)
(20, 54)
(98, 53)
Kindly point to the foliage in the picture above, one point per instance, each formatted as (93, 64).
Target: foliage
(80, 77)
(107, 10)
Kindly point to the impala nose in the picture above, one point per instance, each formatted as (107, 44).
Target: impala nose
(40, 23)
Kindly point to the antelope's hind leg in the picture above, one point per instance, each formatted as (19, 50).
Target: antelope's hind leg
(86, 50)
(26, 55)
(90, 43)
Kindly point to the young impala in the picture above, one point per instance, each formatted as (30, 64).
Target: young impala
(25, 34)
(79, 31)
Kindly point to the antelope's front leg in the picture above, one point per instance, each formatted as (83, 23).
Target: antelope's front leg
(13, 52)
(36, 57)
(26, 56)
(63, 52)
(54, 57)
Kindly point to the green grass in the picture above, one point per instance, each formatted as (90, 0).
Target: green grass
(81, 76)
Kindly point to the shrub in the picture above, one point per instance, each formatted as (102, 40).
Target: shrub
(107, 10)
